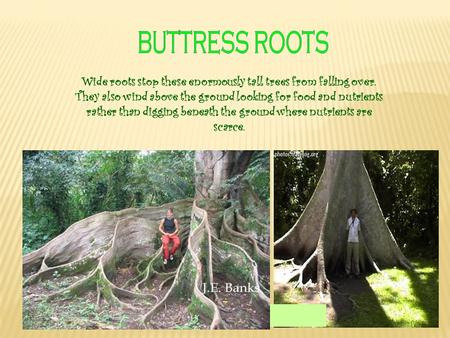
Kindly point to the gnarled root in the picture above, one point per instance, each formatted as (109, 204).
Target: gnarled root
(111, 239)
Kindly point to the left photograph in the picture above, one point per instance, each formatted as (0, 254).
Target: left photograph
(146, 239)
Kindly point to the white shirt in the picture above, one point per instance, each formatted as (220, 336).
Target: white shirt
(353, 229)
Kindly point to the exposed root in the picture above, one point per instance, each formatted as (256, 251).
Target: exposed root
(161, 285)
(99, 296)
(405, 263)
(125, 239)
(322, 284)
(299, 271)
(253, 276)
(97, 262)
(69, 269)
(256, 244)
(229, 215)
(369, 256)
(205, 306)
(149, 271)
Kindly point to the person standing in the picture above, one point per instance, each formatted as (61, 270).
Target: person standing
(353, 228)
(169, 228)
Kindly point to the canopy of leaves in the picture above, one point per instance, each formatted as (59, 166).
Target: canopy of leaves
(295, 178)
(258, 174)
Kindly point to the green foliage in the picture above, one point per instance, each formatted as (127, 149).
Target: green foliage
(258, 175)
(291, 296)
(62, 187)
(194, 323)
(163, 177)
(46, 195)
(407, 187)
(197, 307)
(296, 176)
(76, 313)
(105, 178)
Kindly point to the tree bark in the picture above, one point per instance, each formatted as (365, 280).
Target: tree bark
(214, 168)
(343, 185)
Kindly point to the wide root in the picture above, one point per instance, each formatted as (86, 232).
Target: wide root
(109, 242)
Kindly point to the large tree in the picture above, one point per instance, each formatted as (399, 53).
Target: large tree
(224, 237)
(316, 243)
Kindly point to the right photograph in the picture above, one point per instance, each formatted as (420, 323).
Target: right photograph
(358, 231)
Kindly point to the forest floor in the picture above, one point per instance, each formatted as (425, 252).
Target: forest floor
(83, 313)
(394, 298)
(237, 308)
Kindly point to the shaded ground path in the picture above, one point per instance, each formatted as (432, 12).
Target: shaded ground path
(348, 300)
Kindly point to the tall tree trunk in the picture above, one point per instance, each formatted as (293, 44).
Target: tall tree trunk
(214, 168)
(343, 185)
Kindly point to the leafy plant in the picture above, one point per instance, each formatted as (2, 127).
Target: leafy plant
(194, 323)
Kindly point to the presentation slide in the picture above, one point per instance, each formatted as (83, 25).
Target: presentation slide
(176, 168)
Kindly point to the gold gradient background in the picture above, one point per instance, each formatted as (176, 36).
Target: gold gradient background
(46, 46)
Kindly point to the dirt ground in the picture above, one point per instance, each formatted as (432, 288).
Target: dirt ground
(83, 313)
(238, 310)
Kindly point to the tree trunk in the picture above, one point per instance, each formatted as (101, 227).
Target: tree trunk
(213, 169)
(343, 185)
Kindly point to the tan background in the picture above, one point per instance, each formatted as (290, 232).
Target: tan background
(45, 46)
